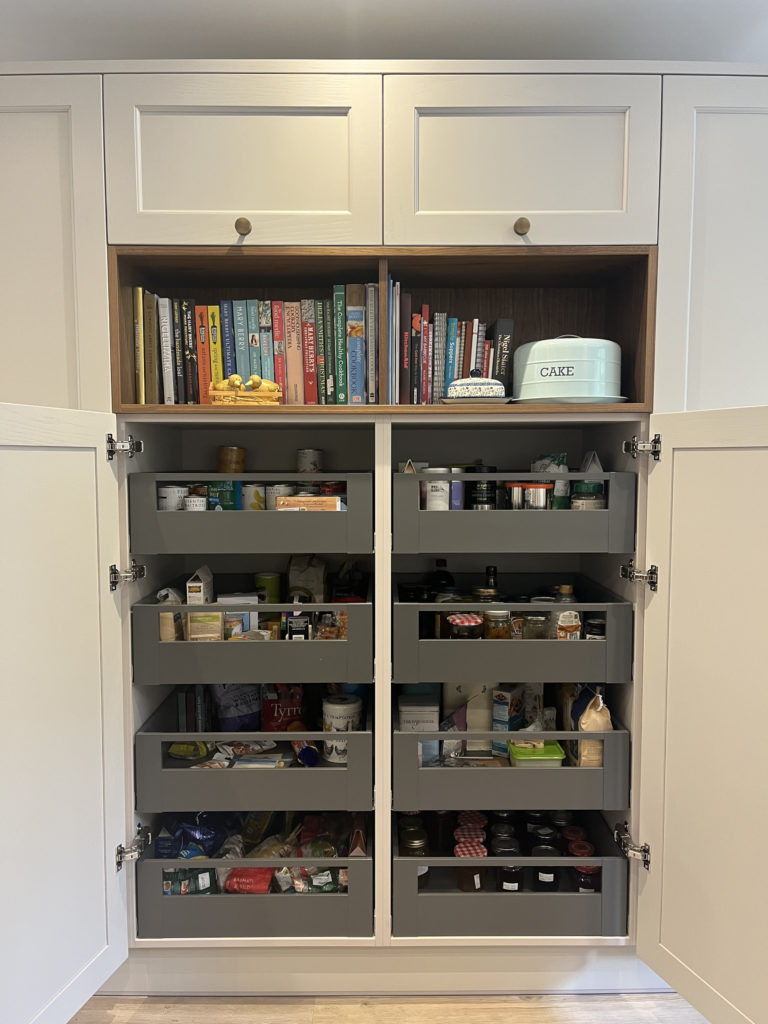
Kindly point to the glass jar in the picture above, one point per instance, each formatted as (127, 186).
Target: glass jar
(442, 826)
(580, 848)
(594, 629)
(572, 833)
(497, 624)
(472, 877)
(546, 878)
(465, 832)
(409, 821)
(502, 830)
(503, 817)
(536, 626)
(485, 594)
(544, 835)
(472, 817)
(414, 843)
(588, 877)
(509, 877)
(532, 820)
(465, 626)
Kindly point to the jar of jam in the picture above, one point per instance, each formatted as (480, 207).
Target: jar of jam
(544, 835)
(532, 820)
(594, 629)
(472, 817)
(465, 626)
(407, 821)
(588, 877)
(560, 819)
(580, 848)
(536, 626)
(462, 832)
(502, 830)
(571, 833)
(414, 843)
(509, 877)
(470, 878)
(497, 624)
(546, 878)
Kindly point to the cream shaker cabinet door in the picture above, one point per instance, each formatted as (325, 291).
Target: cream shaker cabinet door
(521, 159)
(711, 350)
(53, 259)
(243, 159)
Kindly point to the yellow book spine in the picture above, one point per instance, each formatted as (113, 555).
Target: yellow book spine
(214, 336)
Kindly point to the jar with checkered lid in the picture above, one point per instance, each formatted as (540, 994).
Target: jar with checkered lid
(472, 877)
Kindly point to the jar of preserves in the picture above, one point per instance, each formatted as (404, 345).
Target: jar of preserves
(503, 817)
(463, 832)
(509, 877)
(546, 878)
(407, 821)
(594, 629)
(472, 877)
(580, 848)
(414, 843)
(536, 626)
(532, 820)
(497, 624)
(571, 833)
(588, 877)
(502, 830)
(587, 496)
(472, 817)
(544, 835)
(465, 626)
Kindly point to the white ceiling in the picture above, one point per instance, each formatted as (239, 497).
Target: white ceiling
(719, 30)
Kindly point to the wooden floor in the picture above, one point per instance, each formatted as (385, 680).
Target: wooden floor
(554, 1009)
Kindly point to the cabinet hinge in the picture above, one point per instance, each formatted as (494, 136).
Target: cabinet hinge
(133, 850)
(631, 849)
(128, 447)
(651, 576)
(118, 576)
(636, 447)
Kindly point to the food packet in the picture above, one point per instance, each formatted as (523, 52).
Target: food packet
(249, 880)
(238, 706)
(277, 846)
(556, 463)
(191, 750)
(594, 717)
(189, 882)
(316, 848)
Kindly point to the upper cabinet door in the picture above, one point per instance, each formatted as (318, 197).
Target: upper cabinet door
(243, 159)
(53, 258)
(469, 159)
(713, 263)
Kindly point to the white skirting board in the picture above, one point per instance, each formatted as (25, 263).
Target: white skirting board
(352, 972)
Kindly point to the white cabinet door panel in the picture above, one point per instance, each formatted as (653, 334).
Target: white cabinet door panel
(702, 905)
(63, 800)
(466, 155)
(53, 266)
(297, 155)
(711, 334)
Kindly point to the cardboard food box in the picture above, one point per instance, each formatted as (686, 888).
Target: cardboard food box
(200, 586)
(202, 625)
(421, 714)
(309, 502)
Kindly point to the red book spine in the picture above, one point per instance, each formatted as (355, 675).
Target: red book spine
(278, 341)
(203, 353)
(309, 351)
(426, 365)
(466, 363)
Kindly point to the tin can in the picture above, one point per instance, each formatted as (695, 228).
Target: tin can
(457, 491)
(436, 494)
(195, 503)
(308, 490)
(273, 491)
(515, 491)
(268, 583)
(538, 496)
(309, 460)
(170, 498)
(254, 497)
(231, 459)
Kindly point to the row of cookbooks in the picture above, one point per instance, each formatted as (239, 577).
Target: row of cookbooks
(428, 349)
(320, 351)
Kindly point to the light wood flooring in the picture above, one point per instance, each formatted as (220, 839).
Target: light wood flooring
(535, 1009)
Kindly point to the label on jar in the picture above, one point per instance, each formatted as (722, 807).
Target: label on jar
(476, 880)
(587, 502)
(546, 877)
(510, 886)
(582, 889)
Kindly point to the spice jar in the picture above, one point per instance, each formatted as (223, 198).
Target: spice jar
(470, 878)
(497, 624)
(231, 459)
(414, 843)
(546, 878)
(465, 626)
(536, 626)
(509, 877)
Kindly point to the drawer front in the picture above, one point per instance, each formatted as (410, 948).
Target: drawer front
(299, 156)
(578, 155)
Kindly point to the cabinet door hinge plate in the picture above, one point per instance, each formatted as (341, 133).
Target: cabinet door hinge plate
(128, 447)
(134, 849)
(630, 848)
(636, 447)
(118, 576)
(651, 576)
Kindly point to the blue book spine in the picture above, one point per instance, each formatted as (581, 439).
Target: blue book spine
(254, 342)
(267, 345)
(356, 355)
(450, 351)
(240, 328)
(227, 337)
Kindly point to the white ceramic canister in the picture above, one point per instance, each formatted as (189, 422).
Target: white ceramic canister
(254, 497)
(341, 713)
(170, 497)
(436, 494)
(273, 491)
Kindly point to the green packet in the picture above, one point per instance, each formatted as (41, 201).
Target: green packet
(189, 882)
(225, 495)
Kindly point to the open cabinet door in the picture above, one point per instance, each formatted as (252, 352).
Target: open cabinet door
(63, 795)
(702, 904)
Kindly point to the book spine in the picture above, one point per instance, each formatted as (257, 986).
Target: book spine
(254, 341)
(191, 383)
(467, 354)
(178, 352)
(278, 341)
(431, 364)
(322, 384)
(450, 353)
(340, 343)
(203, 354)
(267, 343)
(438, 376)
(424, 361)
(138, 345)
(151, 350)
(330, 353)
(390, 341)
(309, 351)
(181, 708)
(227, 338)
(165, 335)
(372, 340)
(394, 342)
(355, 299)
(403, 395)
(240, 330)
(214, 345)
(415, 358)
(483, 350)
(294, 358)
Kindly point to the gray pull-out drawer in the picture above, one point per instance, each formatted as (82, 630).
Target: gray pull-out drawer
(235, 915)
(496, 788)
(160, 662)
(239, 532)
(514, 661)
(442, 909)
(610, 530)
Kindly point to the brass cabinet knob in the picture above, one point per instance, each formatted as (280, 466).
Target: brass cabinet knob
(243, 226)
(522, 226)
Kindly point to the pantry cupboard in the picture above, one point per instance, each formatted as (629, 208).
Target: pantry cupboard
(665, 680)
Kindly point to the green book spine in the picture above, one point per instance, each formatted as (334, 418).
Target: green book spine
(330, 353)
(322, 398)
(340, 342)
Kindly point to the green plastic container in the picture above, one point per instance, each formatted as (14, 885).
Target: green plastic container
(551, 755)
